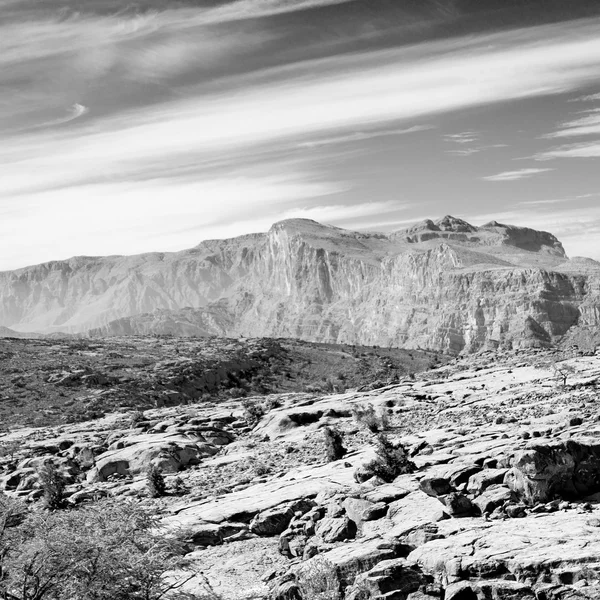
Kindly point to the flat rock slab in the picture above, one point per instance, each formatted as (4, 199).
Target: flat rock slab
(542, 547)
(243, 505)
(414, 511)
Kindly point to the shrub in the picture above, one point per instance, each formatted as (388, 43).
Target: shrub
(368, 418)
(53, 486)
(155, 482)
(136, 417)
(253, 412)
(107, 551)
(272, 403)
(10, 448)
(334, 448)
(391, 460)
(178, 486)
(317, 580)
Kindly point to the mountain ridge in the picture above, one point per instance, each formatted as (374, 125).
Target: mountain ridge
(443, 285)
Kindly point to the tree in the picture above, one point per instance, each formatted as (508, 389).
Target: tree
(53, 486)
(155, 482)
(106, 551)
(391, 460)
(334, 448)
(562, 371)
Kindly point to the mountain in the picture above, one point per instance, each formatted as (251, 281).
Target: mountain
(444, 285)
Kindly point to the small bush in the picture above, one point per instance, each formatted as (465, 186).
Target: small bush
(260, 467)
(317, 580)
(53, 487)
(178, 486)
(272, 403)
(334, 448)
(155, 482)
(368, 418)
(392, 460)
(10, 448)
(253, 412)
(136, 417)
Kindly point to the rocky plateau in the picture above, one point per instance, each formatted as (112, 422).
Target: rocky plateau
(502, 500)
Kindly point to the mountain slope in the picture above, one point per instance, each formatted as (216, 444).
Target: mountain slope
(444, 285)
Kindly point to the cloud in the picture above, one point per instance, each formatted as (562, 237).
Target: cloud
(317, 98)
(75, 111)
(544, 202)
(361, 136)
(515, 175)
(475, 149)
(253, 9)
(585, 125)
(465, 137)
(82, 168)
(150, 216)
(588, 98)
(583, 150)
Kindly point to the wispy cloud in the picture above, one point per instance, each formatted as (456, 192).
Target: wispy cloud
(319, 97)
(515, 175)
(253, 9)
(140, 219)
(582, 150)
(465, 137)
(588, 98)
(588, 124)
(475, 149)
(80, 168)
(361, 136)
(544, 202)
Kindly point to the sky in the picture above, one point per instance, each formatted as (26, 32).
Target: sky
(152, 126)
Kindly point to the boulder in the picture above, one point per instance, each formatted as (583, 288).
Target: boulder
(392, 578)
(170, 457)
(388, 492)
(458, 505)
(569, 468)
(349, 560)
(435, 486)
(213, 534)
(479, 482)
(415, 511)
(493, 497)
(375, 512)
(355, 508)
(217, 437)
(332, 529)
(275, 520)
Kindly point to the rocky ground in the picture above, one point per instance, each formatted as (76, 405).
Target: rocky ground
(503, 501)
(64, 380)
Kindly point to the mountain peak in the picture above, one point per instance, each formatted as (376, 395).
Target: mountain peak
(450, 223)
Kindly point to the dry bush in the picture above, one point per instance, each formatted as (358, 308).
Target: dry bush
(368, 418)
(106, 551)
(317, 580)
(253, 411)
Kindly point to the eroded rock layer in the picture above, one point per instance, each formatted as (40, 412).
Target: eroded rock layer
(443, 285)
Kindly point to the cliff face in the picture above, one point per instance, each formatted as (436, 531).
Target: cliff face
(443, 285)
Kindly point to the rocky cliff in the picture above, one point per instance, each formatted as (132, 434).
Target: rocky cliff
(444, 285)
